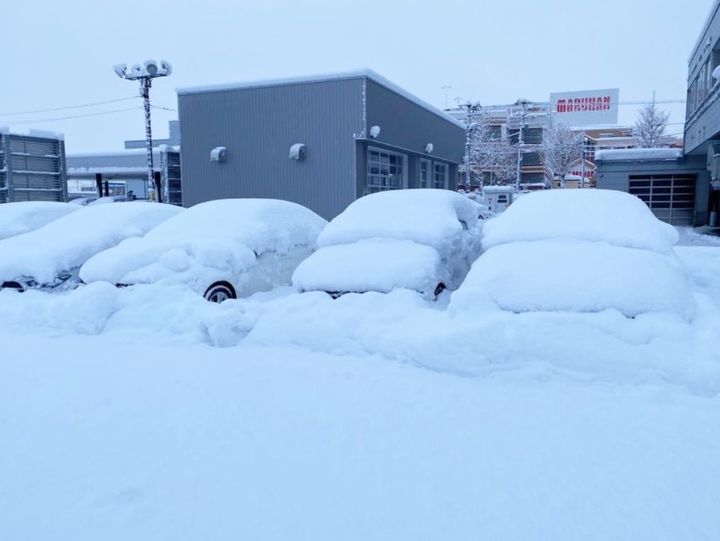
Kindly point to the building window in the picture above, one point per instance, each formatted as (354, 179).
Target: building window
(440, 175)
(386, 170)
(424, 180)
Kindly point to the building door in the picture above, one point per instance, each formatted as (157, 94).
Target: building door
(386, 170)
(424, 177)
(670, 197)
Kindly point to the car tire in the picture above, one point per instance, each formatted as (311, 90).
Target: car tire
(219, 292)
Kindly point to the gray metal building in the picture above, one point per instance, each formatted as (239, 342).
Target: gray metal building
(319, 141)
(675, 187)
(32, 167)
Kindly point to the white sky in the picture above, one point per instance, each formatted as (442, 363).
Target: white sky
(492, 51)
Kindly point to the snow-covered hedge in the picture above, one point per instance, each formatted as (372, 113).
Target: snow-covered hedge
(608, 216)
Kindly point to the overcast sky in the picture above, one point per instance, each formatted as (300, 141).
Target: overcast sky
(494, 51)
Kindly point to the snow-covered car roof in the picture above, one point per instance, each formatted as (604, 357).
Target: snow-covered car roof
(426, 216)
(372, 265)
(23, 216)
(575, 276)
(68, 242)
(610, 216)
(225, 233)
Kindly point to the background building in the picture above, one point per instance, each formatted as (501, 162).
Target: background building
(32, 166)
(321, 141)
(702, 122)
(124, 173)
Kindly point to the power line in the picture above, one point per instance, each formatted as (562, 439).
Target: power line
(80, 106)
(39, 120)
(164, 108)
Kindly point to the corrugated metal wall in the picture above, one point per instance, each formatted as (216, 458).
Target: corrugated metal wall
(258, 125)
(32, 169)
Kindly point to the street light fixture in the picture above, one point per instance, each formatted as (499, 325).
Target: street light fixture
(145, 74)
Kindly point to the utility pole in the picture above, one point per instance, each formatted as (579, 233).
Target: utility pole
(446, 88)
(145, 74)
(470, 109)
(523, 104)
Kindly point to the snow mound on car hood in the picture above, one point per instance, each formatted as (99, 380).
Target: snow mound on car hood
(371, 265)
(575, 276)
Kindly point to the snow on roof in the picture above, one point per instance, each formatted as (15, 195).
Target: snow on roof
(498, 189)
(622, 154)
(116, 153)
(366, 73)
(40, 134)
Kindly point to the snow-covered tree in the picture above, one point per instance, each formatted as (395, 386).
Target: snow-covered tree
(561, 148)
(650, 126)
(490, 149)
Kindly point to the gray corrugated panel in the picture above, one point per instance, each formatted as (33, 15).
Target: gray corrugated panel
(257, 126)
(33, 169)
(405, 124)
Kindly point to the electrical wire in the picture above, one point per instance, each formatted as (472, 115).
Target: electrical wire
(80, 106)
(39, 120)
(163, 108)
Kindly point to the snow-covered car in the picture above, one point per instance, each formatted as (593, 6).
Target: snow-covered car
(223, 249)
(24, 216)
(577, 251)
(424, 240)
(50, 257)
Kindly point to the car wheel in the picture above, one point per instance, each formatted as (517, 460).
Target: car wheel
(219, 292)
(439, 289)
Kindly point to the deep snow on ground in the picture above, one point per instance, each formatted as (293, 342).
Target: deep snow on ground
(148, 413)
(138, 441)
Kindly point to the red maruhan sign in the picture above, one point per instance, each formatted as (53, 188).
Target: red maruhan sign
(586, 107)
(577, 105)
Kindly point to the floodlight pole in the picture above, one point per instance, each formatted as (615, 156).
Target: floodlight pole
(144, 74)
(145, 84)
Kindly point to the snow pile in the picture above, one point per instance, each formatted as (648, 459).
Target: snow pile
(212, 241)
(21, 217)
(66, 243)
(578, 251)
(429, 236)
(608, 216)
(372, 265)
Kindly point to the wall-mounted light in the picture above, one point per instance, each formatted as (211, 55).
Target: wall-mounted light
(218, 154)
(297, 152)
(429, 148)
(374, 131)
